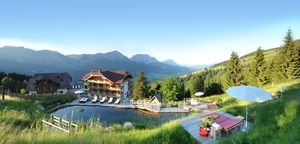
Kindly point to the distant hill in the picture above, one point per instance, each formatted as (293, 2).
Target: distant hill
(193, 67)
(198, 67)
(144, 58)
(28, 61)
(171, 62)
(247, 59)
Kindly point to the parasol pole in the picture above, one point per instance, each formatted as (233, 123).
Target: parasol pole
(246, 124)
(246, 114)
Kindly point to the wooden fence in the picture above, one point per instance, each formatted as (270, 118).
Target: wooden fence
(60, 125)
(148, 106)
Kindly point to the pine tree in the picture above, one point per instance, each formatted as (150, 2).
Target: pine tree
(296, 63)
(277, 69)
(234, 71)
(258, 69)
(284, 61)
(270, 71)
(291, 56)
(140, 87)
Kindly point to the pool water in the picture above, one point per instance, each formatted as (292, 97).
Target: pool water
(109, 116)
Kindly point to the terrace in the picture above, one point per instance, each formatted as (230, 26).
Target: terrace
(230, 124)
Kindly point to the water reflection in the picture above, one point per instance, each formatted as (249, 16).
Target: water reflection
(109, 116)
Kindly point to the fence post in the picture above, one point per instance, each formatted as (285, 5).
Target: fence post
(2, 87)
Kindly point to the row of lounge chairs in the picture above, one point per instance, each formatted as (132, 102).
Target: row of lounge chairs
(110, 100)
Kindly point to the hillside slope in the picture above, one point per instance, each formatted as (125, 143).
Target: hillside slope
(247, 59)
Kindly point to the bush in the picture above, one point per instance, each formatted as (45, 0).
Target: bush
(23, 91)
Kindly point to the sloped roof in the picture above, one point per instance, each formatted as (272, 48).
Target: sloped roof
(62, 79)
(158, 97)
(116, 76)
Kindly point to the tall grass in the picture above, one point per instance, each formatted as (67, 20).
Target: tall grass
(276, 121)
(171, 132)
(20, 122)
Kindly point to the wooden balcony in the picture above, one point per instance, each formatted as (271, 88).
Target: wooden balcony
(99, 82)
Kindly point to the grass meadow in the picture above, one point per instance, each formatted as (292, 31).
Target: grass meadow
(276, 121)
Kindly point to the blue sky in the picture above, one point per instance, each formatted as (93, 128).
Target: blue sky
(188, 31)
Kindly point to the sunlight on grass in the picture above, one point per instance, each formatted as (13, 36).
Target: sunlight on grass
(289, 114)
(274, 121)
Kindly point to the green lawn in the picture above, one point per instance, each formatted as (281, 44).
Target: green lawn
(20, 122)
(276, 121)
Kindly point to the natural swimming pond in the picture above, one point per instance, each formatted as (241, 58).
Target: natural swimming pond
(109, 115)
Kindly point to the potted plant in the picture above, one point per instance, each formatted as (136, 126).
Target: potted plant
(206, 124)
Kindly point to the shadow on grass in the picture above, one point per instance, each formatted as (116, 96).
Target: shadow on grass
(174, 134)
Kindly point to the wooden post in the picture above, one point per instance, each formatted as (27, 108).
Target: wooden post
(2, 87)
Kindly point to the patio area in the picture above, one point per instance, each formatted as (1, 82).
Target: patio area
(192, 126)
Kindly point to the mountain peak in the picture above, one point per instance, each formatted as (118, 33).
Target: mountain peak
(171, 62)
(144, 58)
(115, 52)
(113, 55)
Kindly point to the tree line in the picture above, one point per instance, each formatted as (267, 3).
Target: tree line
(14, 82)
(284, 66)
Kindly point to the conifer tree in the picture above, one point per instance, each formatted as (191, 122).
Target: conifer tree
(296, 63)
(258, 69)
(277, 69)
(291, 55)
(270, 71)
(234, 71)
(284, 61)
(140, 87)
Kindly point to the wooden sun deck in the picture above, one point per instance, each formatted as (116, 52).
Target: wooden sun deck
(192, 126)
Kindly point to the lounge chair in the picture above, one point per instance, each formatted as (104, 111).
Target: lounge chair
(86, 99)
(117, 101)
(95, 99)
(110, 100)
(224, 121)
(83, 100)
(103, 100)
(194, 102)
(230, 124)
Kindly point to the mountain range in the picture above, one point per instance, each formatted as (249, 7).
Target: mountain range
(28, 61)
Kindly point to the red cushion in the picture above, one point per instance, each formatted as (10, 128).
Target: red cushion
(211, 105)
(203, 132)
(220, 119)
(229, 123)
